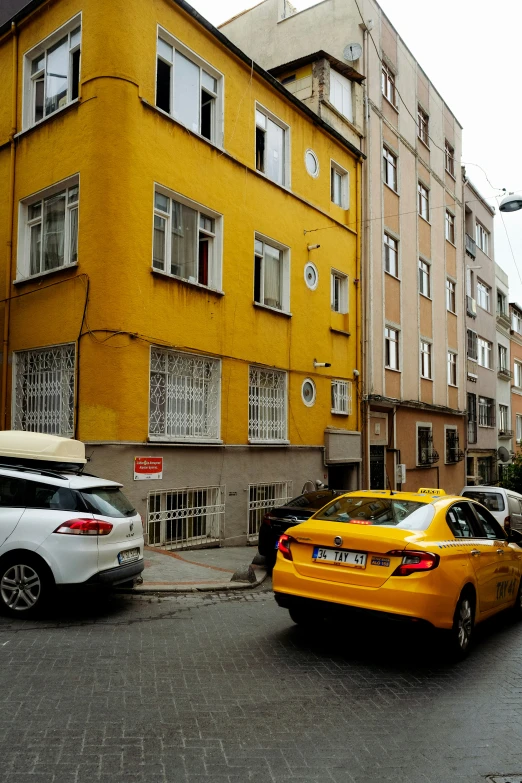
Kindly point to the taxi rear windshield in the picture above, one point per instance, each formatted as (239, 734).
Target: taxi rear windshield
(388, 512)
(492, 500)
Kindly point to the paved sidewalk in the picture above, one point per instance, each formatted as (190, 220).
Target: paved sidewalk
(223, 568)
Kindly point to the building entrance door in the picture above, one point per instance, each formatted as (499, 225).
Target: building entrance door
(377, 467)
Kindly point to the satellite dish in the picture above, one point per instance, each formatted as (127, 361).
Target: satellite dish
(352, 52)
(503, 454)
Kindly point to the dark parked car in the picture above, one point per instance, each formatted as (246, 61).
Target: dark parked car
(278, 520)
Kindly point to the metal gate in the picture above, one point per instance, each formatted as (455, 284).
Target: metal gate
(186, 518)
(261, 498)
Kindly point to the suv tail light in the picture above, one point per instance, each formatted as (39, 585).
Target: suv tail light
(266, 519)
(413, 562)
(284, 546)
(507, 523)
(85, 527)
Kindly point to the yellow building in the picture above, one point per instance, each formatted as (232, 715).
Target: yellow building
(180, 250)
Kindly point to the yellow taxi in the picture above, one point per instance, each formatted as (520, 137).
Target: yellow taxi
(418, 556)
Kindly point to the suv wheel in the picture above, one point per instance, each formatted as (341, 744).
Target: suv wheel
(25, 584)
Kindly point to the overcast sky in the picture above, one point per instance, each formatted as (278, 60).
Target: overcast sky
(470, 49)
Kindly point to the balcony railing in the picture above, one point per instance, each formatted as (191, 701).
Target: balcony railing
(505, 434)
(504, 373)
(503, 319)
(471, 246)
(428, 456)
(454, 455)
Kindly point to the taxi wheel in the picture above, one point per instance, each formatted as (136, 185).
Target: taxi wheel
(305, 616)
(461, 634)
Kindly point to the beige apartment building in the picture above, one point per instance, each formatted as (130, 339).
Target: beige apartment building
(345, 59)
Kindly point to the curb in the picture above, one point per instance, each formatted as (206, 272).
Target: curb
(218, 587)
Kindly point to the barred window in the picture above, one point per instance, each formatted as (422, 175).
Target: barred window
(262, 498)
(184, 396)
(44, 390)
(472, 345)
(181, 518)
(266, 405)
(342, 397)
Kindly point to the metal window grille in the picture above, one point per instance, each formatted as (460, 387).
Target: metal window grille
(187, 517)
(184, 396)
(453, 450)
(472, 418)
(44, 390)
(472, 345)
(426, 453)
(266, 405)
(261, 498)
(342, 397)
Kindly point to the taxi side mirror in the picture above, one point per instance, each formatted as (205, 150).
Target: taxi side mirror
(514, 536)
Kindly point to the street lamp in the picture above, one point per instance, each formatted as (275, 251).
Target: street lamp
(511, 203)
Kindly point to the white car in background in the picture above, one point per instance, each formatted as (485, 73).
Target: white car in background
(58, 525)
(504, 504)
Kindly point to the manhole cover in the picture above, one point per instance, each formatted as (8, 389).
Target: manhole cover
(505, 778)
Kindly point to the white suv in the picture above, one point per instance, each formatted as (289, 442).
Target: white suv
(60, 527)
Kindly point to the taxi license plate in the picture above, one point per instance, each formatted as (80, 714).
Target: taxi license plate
(339, 557)
(129, 556)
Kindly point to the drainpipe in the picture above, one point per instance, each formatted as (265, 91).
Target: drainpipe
(365, 270)
(10, 229)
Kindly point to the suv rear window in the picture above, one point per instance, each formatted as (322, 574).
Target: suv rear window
(493, 501)
(406, 514)
(108, 501)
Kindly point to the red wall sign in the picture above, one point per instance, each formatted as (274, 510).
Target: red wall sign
(148, 468)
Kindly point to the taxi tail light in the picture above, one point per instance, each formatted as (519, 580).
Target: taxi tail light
(413, 562)
(284, 546)
(85, 527)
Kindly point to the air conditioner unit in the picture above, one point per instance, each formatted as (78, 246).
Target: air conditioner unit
(471, 305)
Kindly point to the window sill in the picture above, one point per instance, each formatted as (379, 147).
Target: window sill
(339, 413)
(275, 310)
(253, 442)
(424, 144)
(453, 386)
(390, 274)
(280, 184)
(390, 103)
(188, 441)
(190, 283)
(455, 246)
(425, 378)
(29, 128)
(487, 426)
(451, 311)
(426, 296)
(31, 278)
(390, 188)
(453, 177)
(423, 218)
(391, 369)
(340, 331)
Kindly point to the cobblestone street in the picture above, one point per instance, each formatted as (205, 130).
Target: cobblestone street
(223, 688)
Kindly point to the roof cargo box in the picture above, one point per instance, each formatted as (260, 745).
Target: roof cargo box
(19, 445)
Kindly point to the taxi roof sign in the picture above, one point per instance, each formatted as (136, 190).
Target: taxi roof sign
(428, 491)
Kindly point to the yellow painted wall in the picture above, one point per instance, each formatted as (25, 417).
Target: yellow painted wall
(120, 146)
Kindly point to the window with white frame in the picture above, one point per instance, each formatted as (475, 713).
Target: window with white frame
(452, 368)
(271, 274)
(339, 292)
(342, 397)
(186, 241)
(339, 186)
(43, 390)
(502, 358)
(388, 84)
(501, 303)
(424, 278)
(391, 263)
(472, 351)
(503, 418)
(189, 88)
(272, 140)
(341, 94)
(425, 355)
(483, 295)
(516, 321)
(48, 229)
(423, 201)
(484, 353)
(184, 396)
(450, 227)
(52, 73)
(391, 348)
(518, 421)
(449, 158)
(482, 237)
(486, 416)
(422, 125)
(517, 367)
(450, 296)
(267, 405)
(389, 168)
